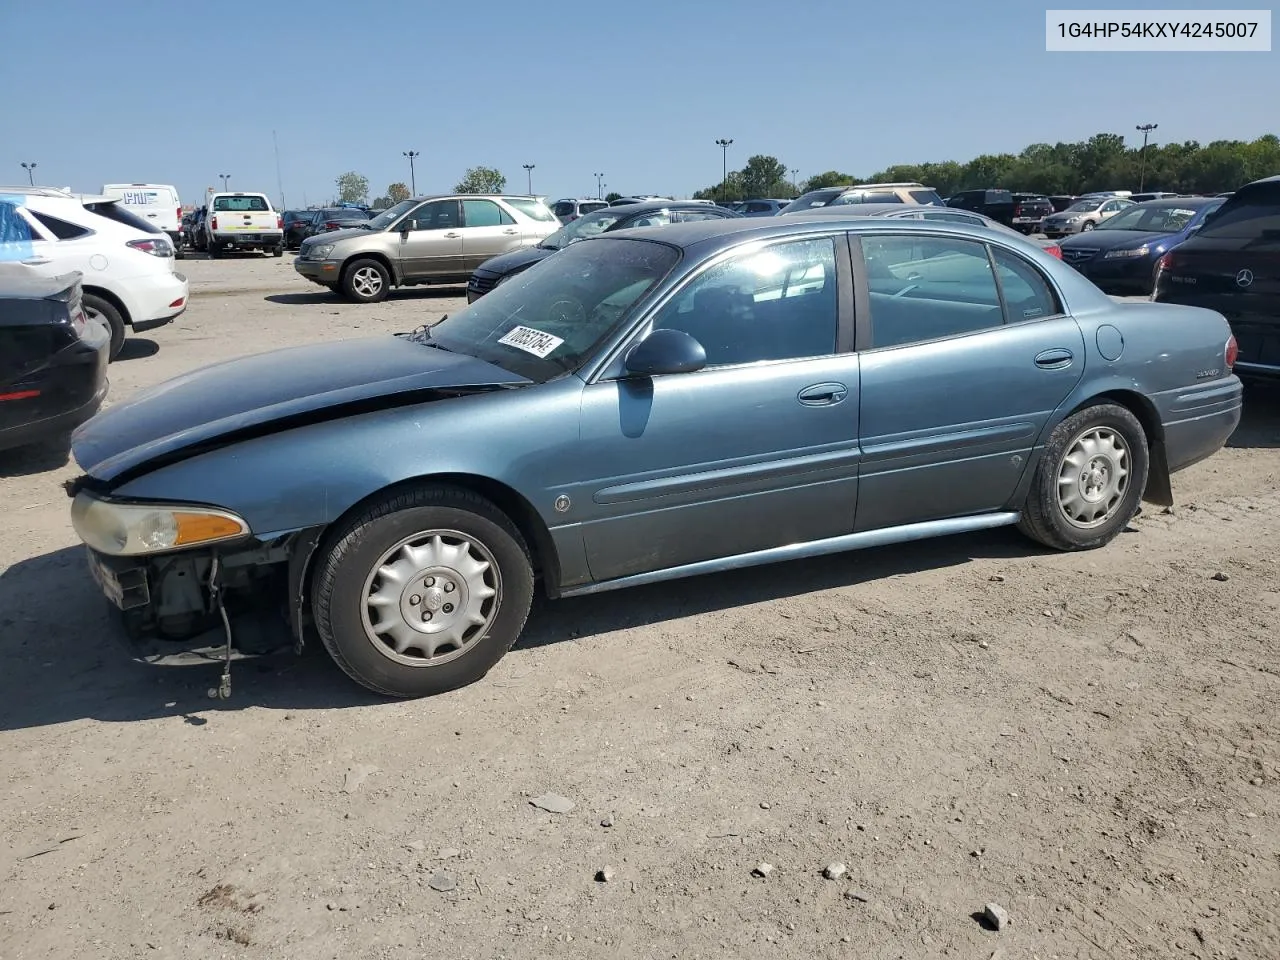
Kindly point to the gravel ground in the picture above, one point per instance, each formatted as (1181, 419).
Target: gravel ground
(1088, 741)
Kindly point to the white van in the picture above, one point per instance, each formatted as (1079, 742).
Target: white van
(156, 203)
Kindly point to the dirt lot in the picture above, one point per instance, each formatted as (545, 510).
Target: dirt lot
(1090, 741)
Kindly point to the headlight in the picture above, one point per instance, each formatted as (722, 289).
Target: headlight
(322, 250)
(1074, 219)
(131, 529)
(1141, 251)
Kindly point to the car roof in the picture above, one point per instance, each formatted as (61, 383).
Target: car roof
(1176, 202)
(644, 206)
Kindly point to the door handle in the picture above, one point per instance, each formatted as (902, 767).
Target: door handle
(1054, 359)
(510, 231)
(36, 261)
(823, 394)
(452, 236)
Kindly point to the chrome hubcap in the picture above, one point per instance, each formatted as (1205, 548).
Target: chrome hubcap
(431, 597)
(1093, 477)
(366, 281)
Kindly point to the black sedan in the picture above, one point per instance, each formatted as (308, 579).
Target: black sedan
(296, 223)
(335, 218)
(53, 357)
(649, 213)
(1121, 253)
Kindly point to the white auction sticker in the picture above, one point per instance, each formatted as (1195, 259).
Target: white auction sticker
(531, 341)
(1242, 31)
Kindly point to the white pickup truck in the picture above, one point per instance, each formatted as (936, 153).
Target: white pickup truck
(242, 221)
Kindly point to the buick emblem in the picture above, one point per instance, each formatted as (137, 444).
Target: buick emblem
(1244, 278)
(562, 503)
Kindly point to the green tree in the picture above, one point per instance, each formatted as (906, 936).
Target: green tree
(482, 180)
(352, 187)
(612, 196)
(832, 178)
(397, 192)
(763, 176)
(381, 203)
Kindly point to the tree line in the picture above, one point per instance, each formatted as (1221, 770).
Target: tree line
(1103, 162)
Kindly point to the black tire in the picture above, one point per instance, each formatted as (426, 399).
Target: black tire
(357, 282)
(179, 253)
(107, 310)
(358, 547)
(1087, 225)
(212, 248)
(278, 250)
(1045, 519)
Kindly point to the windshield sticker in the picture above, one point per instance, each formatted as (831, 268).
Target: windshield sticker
(531, 341)
(1183, 213)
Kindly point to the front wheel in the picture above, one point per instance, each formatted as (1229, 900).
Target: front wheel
(366, 281)
(1089, 482)
(1087, 225)
(422, 592)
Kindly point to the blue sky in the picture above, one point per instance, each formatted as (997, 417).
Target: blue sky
(639, 92)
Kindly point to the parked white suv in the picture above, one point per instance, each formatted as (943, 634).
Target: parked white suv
(130, 278)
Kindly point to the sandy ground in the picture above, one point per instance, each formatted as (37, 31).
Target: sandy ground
(1089, 741)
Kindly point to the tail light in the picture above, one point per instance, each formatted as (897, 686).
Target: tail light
(1231, 353)
(1165, 262)
(1054, 250)
(157, 247)
(179, 215)
(279, 222)
(213, 223)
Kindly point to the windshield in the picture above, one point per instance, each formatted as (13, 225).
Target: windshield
(588, 226)
(1163, 219)
(390, 215)
(1084, 206)
(1251, 213)
(814, 198)
(549, 320)
(532, 208)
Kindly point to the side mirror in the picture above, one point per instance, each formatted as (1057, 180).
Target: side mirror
(665, 351)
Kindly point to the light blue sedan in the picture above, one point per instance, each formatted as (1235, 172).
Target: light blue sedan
(644, 405)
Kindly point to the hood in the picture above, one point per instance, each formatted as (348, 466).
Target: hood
(514, 261)
(294, 384)
(333, 236)
(1104, 239)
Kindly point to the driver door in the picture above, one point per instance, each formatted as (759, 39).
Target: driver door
(431, 241)
(759, 448)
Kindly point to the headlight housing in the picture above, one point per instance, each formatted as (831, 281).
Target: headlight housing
(321, 250)
(1141, 251)
(123, 529)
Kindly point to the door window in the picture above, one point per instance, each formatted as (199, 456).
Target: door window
(1027, 294)
(924, 288)
(435, 215)
(775, 303)
(484, 213)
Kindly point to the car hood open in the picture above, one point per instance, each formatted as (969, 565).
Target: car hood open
(282, 388)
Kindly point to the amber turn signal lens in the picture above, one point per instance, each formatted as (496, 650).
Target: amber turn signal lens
(201, 528)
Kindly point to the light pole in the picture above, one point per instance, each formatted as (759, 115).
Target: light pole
(724, 167)
(224, 177)
(528, 169)
(599, 190)
(795, 180)
(31, 173)
(1146, 129)
(413, 183)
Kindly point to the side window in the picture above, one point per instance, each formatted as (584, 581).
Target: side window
(659, 218)
(775, 303)
(15, 233)
(60, 228)
(925, 288)
(1111, 206)
(563, 209)
(693, 216)
(435, 215)
(484, 213)
(1027, 295)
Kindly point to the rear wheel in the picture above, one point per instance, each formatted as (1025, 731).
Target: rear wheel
(278, 250)
(1088, 484)
(423, 591)
(366, 281)
(107, 312)
(213, 248)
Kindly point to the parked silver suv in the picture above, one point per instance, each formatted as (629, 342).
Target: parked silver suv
(439, 239)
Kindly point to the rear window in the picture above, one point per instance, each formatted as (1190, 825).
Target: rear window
(1249, 214)
(241, 205)
(116, 212)
(563, 209)
(926, 196)
(60, 228)
(592, 206)
(533, 209)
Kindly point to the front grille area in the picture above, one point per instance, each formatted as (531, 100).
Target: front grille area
(482, 283)
(1074, 255)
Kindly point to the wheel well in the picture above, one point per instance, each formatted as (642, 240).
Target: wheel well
(112, 299)
(519, 510)
(1159, 486)
(380, 257)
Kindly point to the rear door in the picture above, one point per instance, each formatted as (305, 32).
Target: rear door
(431, 246)
(959, 374)
(487, 231)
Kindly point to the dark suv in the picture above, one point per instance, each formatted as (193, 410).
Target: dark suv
(1232, 265)
(1022, 211)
